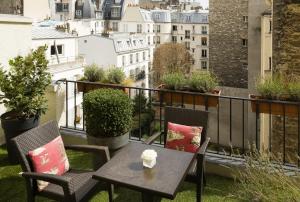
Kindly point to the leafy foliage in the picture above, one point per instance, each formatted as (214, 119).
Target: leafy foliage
(174, 81)
(171, 58)
(116, 76)
(293, 89)
(202, 81)
(94, 73)
(266, 180)
(24, 85)
(108, 112)
(271, 87)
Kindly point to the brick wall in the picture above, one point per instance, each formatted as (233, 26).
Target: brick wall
(228, 58)
(286, 59)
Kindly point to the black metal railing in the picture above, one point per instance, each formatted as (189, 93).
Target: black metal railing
(235, 125)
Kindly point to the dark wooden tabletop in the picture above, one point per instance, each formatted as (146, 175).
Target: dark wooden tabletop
(126, 169)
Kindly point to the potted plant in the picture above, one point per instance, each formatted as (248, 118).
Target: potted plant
(198, 82)
(23, 88)
(108, 116)
(96, 77)
(278, 89)
(92, 73)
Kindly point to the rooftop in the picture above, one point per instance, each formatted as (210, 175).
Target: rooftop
(49, 33)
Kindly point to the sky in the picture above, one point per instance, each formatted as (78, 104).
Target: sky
(204, 3)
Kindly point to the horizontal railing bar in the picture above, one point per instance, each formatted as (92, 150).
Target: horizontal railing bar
(186, 92)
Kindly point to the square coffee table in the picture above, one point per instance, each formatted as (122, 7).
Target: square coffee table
(163, 180)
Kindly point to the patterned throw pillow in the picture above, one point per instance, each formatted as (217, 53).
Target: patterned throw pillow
(183, 138)
(51, 159)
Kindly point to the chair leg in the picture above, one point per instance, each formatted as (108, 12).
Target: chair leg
(30, 198)
(200, 187)
(110, 192)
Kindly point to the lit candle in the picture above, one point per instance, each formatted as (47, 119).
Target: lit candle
(149, 158)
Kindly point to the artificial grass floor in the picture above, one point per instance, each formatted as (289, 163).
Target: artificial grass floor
(12, 186)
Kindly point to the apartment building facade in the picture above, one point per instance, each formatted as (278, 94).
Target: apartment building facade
(129, 52)
(189, 27)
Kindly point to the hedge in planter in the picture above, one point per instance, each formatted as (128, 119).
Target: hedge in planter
(198, 82)
(108, 115)
(277, 88)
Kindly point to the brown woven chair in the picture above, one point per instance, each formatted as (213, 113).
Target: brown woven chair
(191, 118)
(75, 185)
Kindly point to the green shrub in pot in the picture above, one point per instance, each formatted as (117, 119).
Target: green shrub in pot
(93, 73)
(202, 81)
(174, 81)
(271, 87)
(23, 88)
(294, 90)
(115, 76)
(108, 112)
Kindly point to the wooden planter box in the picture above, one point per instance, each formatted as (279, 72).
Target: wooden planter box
(86, 87)
(177, 97)
(273, 108)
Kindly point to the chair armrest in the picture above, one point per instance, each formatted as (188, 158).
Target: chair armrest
(91, 149)
(153, 137)
(64, 182)
(203, 147)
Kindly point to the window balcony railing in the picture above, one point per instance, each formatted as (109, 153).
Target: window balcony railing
(235, 123)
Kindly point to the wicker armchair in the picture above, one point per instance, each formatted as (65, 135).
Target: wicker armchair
(75, 185)
(191, 118)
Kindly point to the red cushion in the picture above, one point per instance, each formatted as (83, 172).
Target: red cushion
(183, 138)
(51, 159)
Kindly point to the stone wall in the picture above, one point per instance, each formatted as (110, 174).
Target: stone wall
(228, 57)
(286, 59)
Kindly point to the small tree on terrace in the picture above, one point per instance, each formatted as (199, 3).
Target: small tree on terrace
(170, 58)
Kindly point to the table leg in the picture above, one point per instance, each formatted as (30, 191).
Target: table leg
(150, 198)
(110, 192)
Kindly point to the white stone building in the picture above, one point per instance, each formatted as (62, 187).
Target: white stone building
(64, 63)
(188, 27)
(125, 51)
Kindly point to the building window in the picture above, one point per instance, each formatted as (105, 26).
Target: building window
(181, 27)
(193, 50)
(131, 74)
(123, 60)
(115, 12)
(59, 50)
(174, 28)
(158, 28)
(187, 34)
(187, 45)
(204, 53)
(174, 39)
(204, 41)
(245, 19)
(204, 64)
(204, 30)
(181, 38)
(137, 57)
(245, 42)
(270, 26)
(144, 56)
(193, 38)
(148, 28)
(78, 13)
(115, 26)
(149, 42)
(131, 58)
(139, 28)
(158, 40)
(157, 16)
(270, 63)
